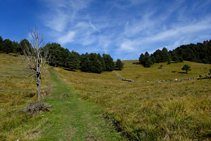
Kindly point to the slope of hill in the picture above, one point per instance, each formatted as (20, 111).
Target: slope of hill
(140, 110)
(71, 118)
(147, 110)
(16, 90)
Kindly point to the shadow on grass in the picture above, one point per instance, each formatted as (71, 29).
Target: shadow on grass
(182, 72)
(70, 70)
(204, 78)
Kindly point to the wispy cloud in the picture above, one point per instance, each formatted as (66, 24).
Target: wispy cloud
(93, 26)
(57, 22)
(61, 14)
(67, 38)
(126, 3)
(126, 27)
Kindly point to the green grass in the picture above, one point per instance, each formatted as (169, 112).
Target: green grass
(16, 90)
(73, 118)
(148, 110)
(141, 109)
(70, 118)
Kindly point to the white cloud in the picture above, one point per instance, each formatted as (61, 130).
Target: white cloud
(93, 26)
(67, 38)
(87, 40)
(82, 25)
(61, 14)
(57, 22)
(126, 3)
(128, 46)
(132, 26)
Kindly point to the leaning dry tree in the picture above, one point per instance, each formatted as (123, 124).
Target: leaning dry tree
(35, 58)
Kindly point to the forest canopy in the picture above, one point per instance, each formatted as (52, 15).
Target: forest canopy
(200, 53)
(62, 57)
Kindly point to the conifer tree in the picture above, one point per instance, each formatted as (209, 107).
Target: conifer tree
(186, 68)
(7, 46)
(153, 59)
(164, 55)
(175, 59)
(158, 58)
(100, 58)
(73, 62)
(149, 63)
(109, 63)
(119, 64)
(141, 58)
(1, 43)
(85, 63)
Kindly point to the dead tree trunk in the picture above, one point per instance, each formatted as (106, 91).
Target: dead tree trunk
(39, 80)
(36, 58)
(39, 87)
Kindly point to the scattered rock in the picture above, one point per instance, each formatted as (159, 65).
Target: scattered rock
(123, 79)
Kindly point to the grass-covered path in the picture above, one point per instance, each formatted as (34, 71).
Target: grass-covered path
(72, 118)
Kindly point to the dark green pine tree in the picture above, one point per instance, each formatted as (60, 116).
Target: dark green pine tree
(146, 58)
(55, 51)
(186, 68)
(149, 63)
(7, 46)
(153, 59)
(175, 59)
(16, 46)
(169, 61)
(141, 58)
(109, 63)
(96, 66)
(158, 54)
(181, 59)
(158, 58)
(119, 64)
(100, 58)
(73, 62)
(65, 55)
(85, 63)
(1, 43)
(164, 55)
(23, 45)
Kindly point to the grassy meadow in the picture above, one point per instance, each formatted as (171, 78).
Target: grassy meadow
(141, 110)
(147, 110)
(69, 118)
(16, 90)
(73, 118)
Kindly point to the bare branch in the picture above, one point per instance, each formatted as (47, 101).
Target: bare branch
(35, 57)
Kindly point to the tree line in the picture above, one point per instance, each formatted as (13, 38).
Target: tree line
(200, 53)
(72, 60)
(92, 62)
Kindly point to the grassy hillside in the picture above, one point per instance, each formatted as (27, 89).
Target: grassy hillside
(73, 118)
(147, 110)
(16, 90)
(142, 109)
(70, 118)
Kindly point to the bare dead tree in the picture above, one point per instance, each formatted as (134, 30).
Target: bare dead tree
(35, 58)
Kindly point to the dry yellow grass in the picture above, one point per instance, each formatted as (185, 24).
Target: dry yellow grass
(16, 90)
(154, 111)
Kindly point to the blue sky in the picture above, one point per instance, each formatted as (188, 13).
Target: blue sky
(122, 28)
